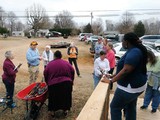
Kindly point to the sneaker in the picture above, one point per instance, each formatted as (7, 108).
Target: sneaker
(143, 107)
(13, 105)
(65, 113)
(153, 110)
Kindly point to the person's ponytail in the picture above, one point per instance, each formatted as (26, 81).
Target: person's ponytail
(133, 39)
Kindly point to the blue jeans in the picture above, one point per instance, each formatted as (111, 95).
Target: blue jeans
(96, 80)
(124, 100)
(9, 89)
(153, 95)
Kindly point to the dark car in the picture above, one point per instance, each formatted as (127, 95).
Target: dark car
(60, 45)
(92, 50)
(53, 34)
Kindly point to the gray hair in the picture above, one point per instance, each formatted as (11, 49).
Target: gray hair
(110, 45)
(8, 54)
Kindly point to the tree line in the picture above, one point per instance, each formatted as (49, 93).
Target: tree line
(37, 18)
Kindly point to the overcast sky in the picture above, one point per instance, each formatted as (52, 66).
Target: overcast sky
(71, 5)
(19, 6)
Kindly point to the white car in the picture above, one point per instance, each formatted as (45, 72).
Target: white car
(93, 38)
(150, 39)
(120, 51)
(83, 35)
(157, 45)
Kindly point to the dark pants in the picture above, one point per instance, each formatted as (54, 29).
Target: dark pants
(111, 71)
(123, 100)
(9, 89)
(74, 60)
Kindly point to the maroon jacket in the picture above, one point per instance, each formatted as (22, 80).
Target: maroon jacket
(58, 71)
(9, 74)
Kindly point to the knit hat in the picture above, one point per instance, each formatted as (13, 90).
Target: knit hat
(48, 46)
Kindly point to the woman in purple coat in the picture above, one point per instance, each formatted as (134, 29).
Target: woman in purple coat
(59, 76)
(8, 77)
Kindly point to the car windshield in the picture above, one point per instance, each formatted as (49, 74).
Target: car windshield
(115, 45)
(157, 41)
(94, 37)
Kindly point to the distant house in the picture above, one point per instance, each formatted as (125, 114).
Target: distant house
(18, 33)
(40, 32)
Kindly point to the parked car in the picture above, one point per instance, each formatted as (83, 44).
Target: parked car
(157, 45)
(150, 39)
(92, 50)
(119, 37)
(60, 45)
(120, 51)
(84, 36)
(93, 38)
(53, 34)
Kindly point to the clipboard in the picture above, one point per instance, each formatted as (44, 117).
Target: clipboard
(17, 67)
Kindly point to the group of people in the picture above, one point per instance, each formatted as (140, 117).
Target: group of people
(130, 75)
(131, 78)
(58, 74)
(104, 60)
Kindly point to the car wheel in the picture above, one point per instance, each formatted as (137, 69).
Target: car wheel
(82, 39)
(158, 48)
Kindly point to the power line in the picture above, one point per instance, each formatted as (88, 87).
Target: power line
(100, 15)
(143, 10)
(97, 10)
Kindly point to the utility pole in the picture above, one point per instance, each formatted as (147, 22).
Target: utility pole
(91, 19)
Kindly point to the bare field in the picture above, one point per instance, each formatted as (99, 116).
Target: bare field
(83, 87)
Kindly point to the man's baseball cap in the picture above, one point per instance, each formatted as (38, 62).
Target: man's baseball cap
(34, 43)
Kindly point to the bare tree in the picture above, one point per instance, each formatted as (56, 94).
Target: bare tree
(19, 26)
(3, 17)
(110, 26)
(36, 15)
(152, 26)
(11, 21)
(64, 20)
(126, 23)
(157, 27)
(97, 26)
(46, 23)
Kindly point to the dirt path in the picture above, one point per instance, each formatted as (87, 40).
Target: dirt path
(83, 87)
